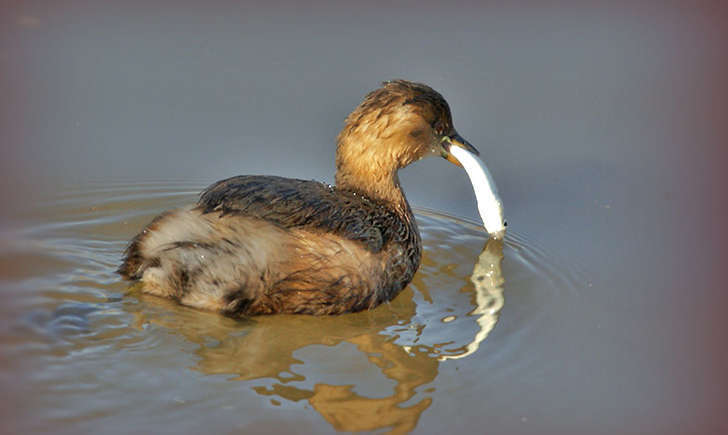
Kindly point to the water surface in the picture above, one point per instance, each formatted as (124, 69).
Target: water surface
(110, 354)
(601, 123)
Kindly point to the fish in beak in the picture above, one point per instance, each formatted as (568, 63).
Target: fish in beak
(460, 152)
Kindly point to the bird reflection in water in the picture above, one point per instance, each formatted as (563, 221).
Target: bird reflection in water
(262, 350)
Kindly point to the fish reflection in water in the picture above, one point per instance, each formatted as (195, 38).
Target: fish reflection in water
(264, 349)
(488, 281)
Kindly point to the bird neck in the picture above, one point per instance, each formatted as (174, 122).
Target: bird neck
(382, 187)
(365, 164)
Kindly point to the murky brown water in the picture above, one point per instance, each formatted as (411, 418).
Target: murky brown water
(109, 353)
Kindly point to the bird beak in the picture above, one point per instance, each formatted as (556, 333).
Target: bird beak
(455, 140)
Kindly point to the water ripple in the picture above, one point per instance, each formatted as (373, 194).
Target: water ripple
(73, 313)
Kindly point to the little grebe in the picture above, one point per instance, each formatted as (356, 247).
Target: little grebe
(264, 244)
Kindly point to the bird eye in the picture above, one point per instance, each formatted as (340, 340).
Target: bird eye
(505, 223)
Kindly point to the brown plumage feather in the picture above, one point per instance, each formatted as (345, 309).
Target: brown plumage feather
(264, 244)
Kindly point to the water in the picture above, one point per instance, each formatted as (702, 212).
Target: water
(599, 121)
(110, 354)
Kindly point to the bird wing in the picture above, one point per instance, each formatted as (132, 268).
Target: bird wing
(293, 203)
